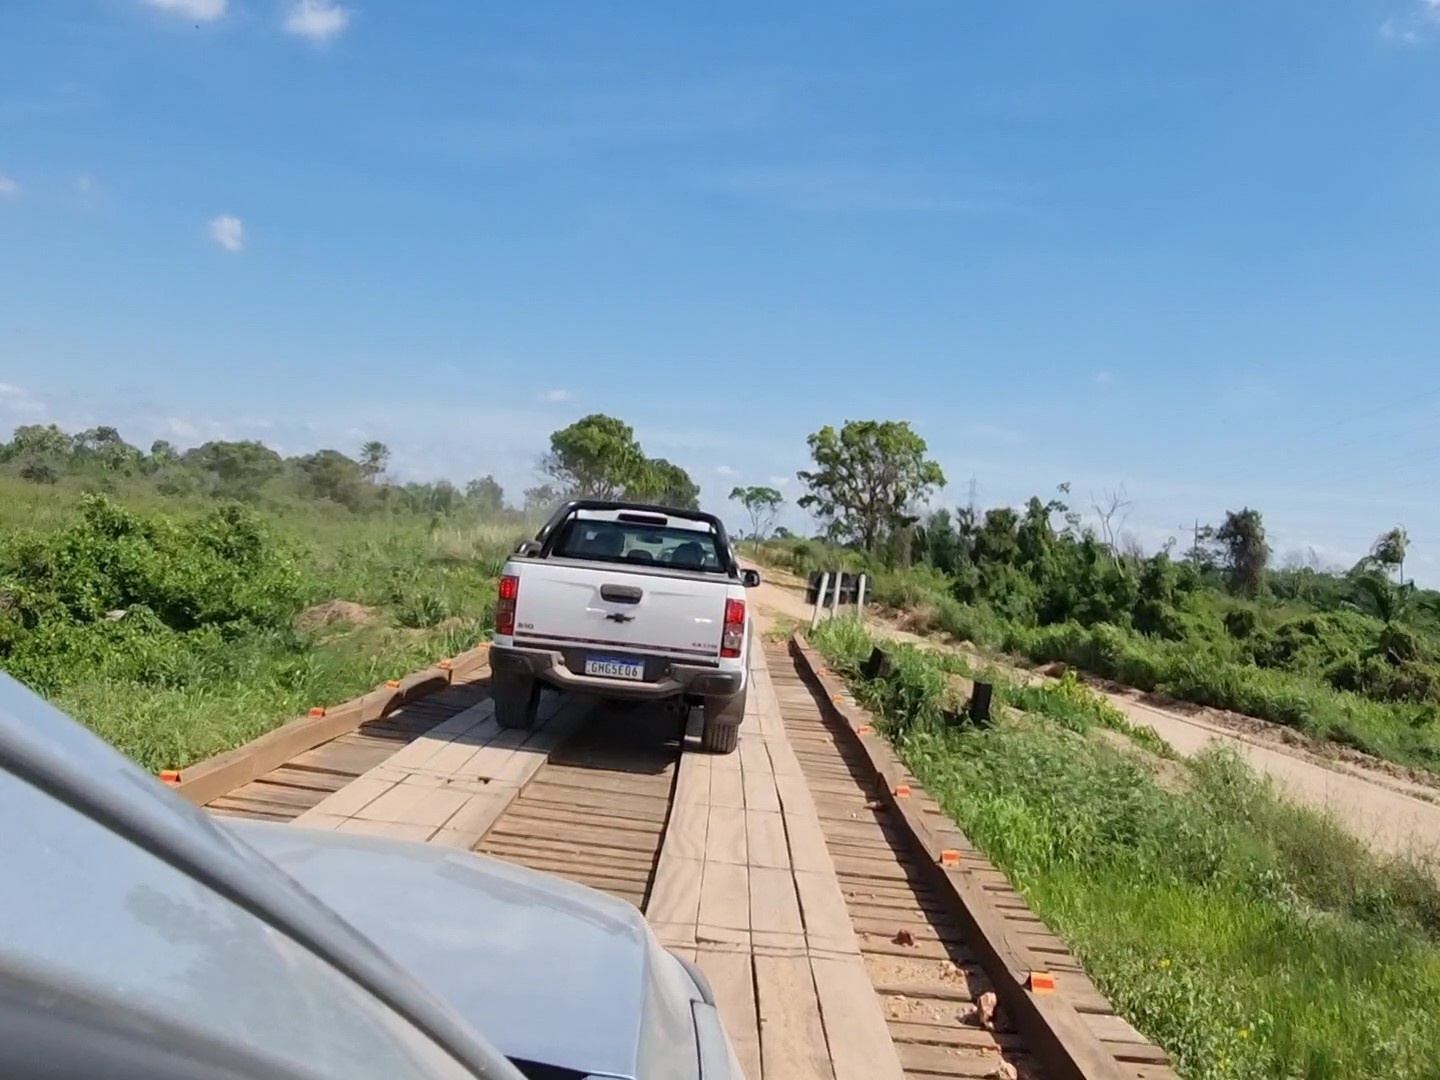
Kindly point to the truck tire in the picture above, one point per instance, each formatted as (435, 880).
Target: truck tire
(517, 701)
(720, 733)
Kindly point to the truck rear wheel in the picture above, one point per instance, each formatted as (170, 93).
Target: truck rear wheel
(720, 733)
(517, 701)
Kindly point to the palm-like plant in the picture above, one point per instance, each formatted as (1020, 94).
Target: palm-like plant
(1380, 598)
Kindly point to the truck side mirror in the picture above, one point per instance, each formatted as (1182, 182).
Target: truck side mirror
(750, 578)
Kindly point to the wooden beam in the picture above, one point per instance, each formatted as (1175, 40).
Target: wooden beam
(208, 780)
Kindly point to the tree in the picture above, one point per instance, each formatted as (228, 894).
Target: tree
(1389, 550)
(1106, 507)
(440, 497)
(1242, 537)
(596, 457)
(374, 457)
(1378, 596)
(37, 443)
(239, 467)
(486, 495)
(868, 479)
(104, 447)
(939, 544)
(664, 483)
(762, 504)
(541, 500)
(331, 475)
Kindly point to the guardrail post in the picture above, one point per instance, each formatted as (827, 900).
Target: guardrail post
(819, 600)
(860, 601)
(835, 595)
(980, 702)
(877, 665)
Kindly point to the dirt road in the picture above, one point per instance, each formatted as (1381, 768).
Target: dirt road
(1391, 814)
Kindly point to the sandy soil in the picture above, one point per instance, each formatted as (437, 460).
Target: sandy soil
(1393, 814)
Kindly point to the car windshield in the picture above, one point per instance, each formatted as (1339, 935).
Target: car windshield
(638, 542)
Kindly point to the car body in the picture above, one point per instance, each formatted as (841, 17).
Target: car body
(145, 938)
(626, 602)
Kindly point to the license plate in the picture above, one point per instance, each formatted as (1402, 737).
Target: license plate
(615, 667)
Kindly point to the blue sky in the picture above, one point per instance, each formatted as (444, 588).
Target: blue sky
(1191, 248)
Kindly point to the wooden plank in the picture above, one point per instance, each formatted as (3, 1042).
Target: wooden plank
(760, 790)
(725, 896)
(957, 1035)
(538, 814)
(501, 842)
(774, 906)
(765, 840)
(686, 832)
(793, 1046)
(733, 982)
(1055, 1032)
(855, 1029)
(727, 786)
(827, 923)
(725, 835)
(675, 897)
(921, 1059)
(578, 830)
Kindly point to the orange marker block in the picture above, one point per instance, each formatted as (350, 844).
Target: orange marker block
(1042, 982)
(170, 776)
(902, 790)
(317, 711)
(444, 665)
(393, 684)
(864, 729)
(949, 857)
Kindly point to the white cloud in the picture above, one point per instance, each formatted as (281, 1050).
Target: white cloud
(1421, 23)
(1104, 378)
(17, 401)
(557, 396)
(84, 184)
(9, 188)
(318, 20)
(228, 231)
(199, 10)
(726, 470)
(779, 481)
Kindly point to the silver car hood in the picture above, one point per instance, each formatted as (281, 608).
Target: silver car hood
(554, 973)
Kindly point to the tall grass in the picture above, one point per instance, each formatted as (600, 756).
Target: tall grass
(1190, 670)
(177, 633)
(1248, 936)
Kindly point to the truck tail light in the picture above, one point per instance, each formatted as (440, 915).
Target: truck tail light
(733, 636)
(505, 608)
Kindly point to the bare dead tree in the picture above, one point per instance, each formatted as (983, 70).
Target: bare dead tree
(1110, 504)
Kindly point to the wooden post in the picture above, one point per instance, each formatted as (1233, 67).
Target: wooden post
(835, 595)
(980, 702)
(819, 600)
(877, 665)
(860, 601)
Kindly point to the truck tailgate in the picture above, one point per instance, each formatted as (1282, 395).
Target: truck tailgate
(596, 608)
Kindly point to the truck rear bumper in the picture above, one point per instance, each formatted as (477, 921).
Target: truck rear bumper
(674, 679)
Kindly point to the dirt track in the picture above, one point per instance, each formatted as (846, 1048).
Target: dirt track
(1391, 814)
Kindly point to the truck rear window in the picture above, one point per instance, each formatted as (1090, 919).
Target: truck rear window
(637, 542)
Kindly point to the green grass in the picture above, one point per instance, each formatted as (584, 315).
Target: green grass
(211, 650)
(1248, 936)
(1199, 671)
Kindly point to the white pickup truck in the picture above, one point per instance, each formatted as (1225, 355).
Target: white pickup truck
(630, 603)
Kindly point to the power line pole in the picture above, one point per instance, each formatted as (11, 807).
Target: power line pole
(1194, 543)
